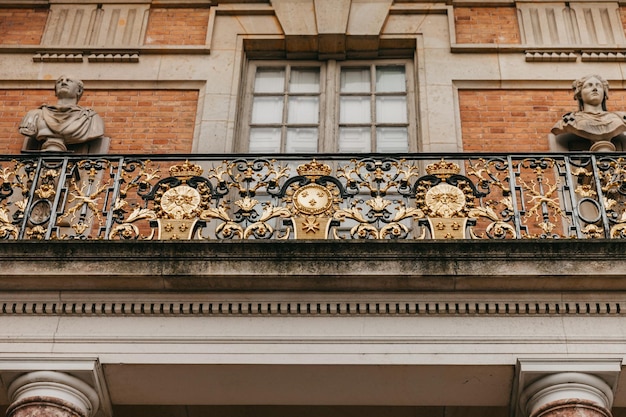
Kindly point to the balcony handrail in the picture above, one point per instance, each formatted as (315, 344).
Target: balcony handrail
(418, 196)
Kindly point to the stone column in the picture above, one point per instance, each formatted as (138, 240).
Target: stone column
(51, 394)
(567, 394)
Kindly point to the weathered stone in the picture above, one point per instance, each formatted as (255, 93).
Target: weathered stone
(592, 122)
(65, 123)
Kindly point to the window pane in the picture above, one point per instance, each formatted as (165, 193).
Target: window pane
(301, 140)
(390, 79)
(392, 139)
(303, 110)
(391, 109)
(267, 110)
(355, 80)
(354, 139)
(269, 80)
(354, 110)
(305, 81)
(264, 140)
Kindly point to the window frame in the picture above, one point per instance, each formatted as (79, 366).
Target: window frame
(329, 99)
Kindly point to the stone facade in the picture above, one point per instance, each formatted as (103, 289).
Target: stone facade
(203, 48)
(414, 328)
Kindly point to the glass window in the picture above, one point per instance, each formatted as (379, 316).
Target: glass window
(285, 110)
(330, 107)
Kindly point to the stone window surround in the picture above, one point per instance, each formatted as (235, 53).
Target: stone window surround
(328, 106)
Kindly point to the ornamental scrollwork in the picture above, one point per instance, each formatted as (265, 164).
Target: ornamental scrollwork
(415, 197)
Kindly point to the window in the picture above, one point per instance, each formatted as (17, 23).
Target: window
(330, 107)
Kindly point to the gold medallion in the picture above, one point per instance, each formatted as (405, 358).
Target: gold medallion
(312, 199)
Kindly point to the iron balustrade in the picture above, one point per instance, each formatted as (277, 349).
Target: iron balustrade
(324, 196)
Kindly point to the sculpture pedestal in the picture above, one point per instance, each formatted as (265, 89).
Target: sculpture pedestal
(54, 145)
(602, 146)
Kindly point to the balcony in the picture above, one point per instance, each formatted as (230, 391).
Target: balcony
(331, 197)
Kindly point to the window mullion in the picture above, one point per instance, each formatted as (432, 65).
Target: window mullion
(329, 109)
(283, 130)
(373, 108)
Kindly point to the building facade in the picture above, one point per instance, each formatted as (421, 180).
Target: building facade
(313, 207)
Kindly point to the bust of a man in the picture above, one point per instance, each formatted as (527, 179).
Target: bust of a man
(592, 121)
(65, 123)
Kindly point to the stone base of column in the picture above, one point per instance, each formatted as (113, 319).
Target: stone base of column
(572, 407)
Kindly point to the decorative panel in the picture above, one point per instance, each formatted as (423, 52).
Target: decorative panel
(578, 24)
(114, 25)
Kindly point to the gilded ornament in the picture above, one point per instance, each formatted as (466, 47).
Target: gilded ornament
(311, 224)
(186, 170)
(46, 191)
(443, 169)
(175, 229)
(314, 170)
(593, 231)
(312, 199)
(246, 204)
(585, 191)
(445, 200)
(180, 202)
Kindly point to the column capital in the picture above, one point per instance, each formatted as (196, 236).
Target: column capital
(74, 384)
(51, 385)
(544, 383)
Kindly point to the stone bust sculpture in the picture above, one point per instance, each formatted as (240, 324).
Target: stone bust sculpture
(592, 121)
(65, 123)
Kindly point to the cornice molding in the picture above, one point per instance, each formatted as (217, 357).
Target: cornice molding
(303, 306)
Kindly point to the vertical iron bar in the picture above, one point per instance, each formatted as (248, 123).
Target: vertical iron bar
(31, 197)
(596, 176)
(513, 188)
(57, 197)
(112, 199)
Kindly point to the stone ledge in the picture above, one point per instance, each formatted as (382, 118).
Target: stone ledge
(558, 265)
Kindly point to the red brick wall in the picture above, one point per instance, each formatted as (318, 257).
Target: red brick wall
(137, 121)
(486, 25)
(511, 120)
(517, 120)
(177, 26)
(22, 26)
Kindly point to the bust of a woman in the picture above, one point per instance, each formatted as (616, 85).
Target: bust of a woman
(592, 121)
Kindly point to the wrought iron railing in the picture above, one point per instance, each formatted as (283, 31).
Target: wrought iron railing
(413, 196)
